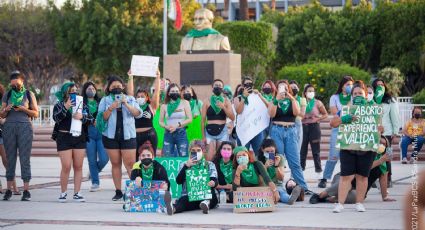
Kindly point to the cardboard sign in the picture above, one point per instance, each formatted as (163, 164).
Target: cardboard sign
(362, 134)
(197, 184)
(171, 164)
(148, 198)
(253, 199)
(253, 119)
(144, 65)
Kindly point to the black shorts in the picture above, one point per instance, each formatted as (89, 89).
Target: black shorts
(356, 162)
(65, 141)
(121, 144)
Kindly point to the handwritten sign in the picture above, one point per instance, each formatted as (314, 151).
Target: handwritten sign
(253, 199)
(148, 198)
(144, 65)
(253, 119)
(361, 134)
(197, 184)
(171, 164)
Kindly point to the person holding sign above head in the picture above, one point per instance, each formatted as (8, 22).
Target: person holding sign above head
(251, 173)
(149, 169)
(354, 163)
(175, 116)
(215, 112)
(115, 119)
(283, 111)
(198, 178)
(223, 161)
(194, 131)
(274, 164)
(414, 132)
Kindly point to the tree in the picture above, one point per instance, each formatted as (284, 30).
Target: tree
(243, 10)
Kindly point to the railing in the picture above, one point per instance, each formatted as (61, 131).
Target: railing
(405, 111)
(44, 118)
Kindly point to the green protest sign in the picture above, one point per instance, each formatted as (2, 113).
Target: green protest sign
(197, 184)
(361, 134)
(171, 164)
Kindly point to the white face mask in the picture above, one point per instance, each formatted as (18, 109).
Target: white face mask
(141, 100)
(369, 97)
(310, 95)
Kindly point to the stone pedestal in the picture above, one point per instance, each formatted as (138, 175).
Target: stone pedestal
(200, 70)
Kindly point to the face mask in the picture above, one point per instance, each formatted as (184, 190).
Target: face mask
(370, 97)
(116, 91)
(147, 161)
(243, 160)
(174, 96)
(310, 95)
(90, 93)
(267, 90)
(348, 89)
(359, 100)
(16, 88)
(417, 115)
(295, 91)
(226, 153)
(381, 149)
(141, 100)
(217, 91)
(187, 96)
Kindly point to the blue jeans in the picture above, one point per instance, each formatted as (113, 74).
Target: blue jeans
(284, 197)
(96, 154)
(299, 126)
(406, 141)
(286, 142)
(333, 156)
(254, 143)
(175, 144)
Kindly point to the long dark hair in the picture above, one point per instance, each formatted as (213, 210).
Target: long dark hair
(84, 94)
(266, 143)
(111, 79)
(387, 95)
(342, 82)
(218, 157)
(146, 93)
(306, 87)
(1, 90)
(184, 87)
(272, 85)
(238, 87)
(167, 96)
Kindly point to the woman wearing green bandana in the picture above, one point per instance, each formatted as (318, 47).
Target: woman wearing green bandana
(194, 129)
(175, 116)
(390, 117)
(223, 160)
(314, 113)
(251, 173)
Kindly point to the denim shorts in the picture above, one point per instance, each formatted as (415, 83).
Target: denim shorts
(223, 136)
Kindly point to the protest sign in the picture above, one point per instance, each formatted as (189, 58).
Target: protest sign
(362, 134)
(144, 65)
(148, 198)
(197, 184)
(253, 199)
(253, 119)
(171, 164)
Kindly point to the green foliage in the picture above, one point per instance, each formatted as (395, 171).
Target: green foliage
(419, 97)
(393, 78)
(324, 76)
(254, 42)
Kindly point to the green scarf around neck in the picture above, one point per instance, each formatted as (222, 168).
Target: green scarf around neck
(359, 100)
(92, 104)
(201, 33)
(379, 94)
(147, 173)
(310, 105)
(284, 105)
(272, 172)
(249, 175)
(202, 164)
(227, 170)
(144, 106)
(268, 97)
(172, 106)
(344, 99)
(213, 101)
(17, 97)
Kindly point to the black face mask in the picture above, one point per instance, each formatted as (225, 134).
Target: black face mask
(217, 91)
(147, 161)
(174, 96)
(295, 91)
(417, 115)
(187, 96)
(267, 90)
(116, 91)
(16, 88)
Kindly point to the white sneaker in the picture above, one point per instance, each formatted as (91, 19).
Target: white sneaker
(338, 208)
(204, 205)
(62, 197)
(360, 207)
(94, 188)
(404, 160)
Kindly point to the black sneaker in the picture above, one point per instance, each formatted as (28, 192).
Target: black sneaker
(78, 197)
(167, 199)
(322, 183)
(7, 195)
(308, 192)
(314, 199)
(26, 196)
(118, 195)
(62, 197)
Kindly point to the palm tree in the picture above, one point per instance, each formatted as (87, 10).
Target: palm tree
(243, 10)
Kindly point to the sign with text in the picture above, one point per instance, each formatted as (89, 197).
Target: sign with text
(197, 184)
(253, 119)
(253, 199)
(144, 65)
(147, 198)
(171, 164)
(361, 134)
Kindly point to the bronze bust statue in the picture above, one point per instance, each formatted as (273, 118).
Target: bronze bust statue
(204, 37)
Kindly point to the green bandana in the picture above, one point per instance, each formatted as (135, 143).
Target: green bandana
(172, 106)
(60, 94)
(17, 97)
(359, 100)
(201, 33)
(268, 97)
(379, 94)
(213, 101)
(310, 106)
(272, 172)
(147, 173)
(240, 149)
(162, 96)
(227, 170)
(101, 124)
(245, 99)
(144, 106)
(202, 164)
(383, 166)
(284, 105)
(344, 99)
(249, 175)
(92, 104)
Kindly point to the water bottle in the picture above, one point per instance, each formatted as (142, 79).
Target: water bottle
(223, 197)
